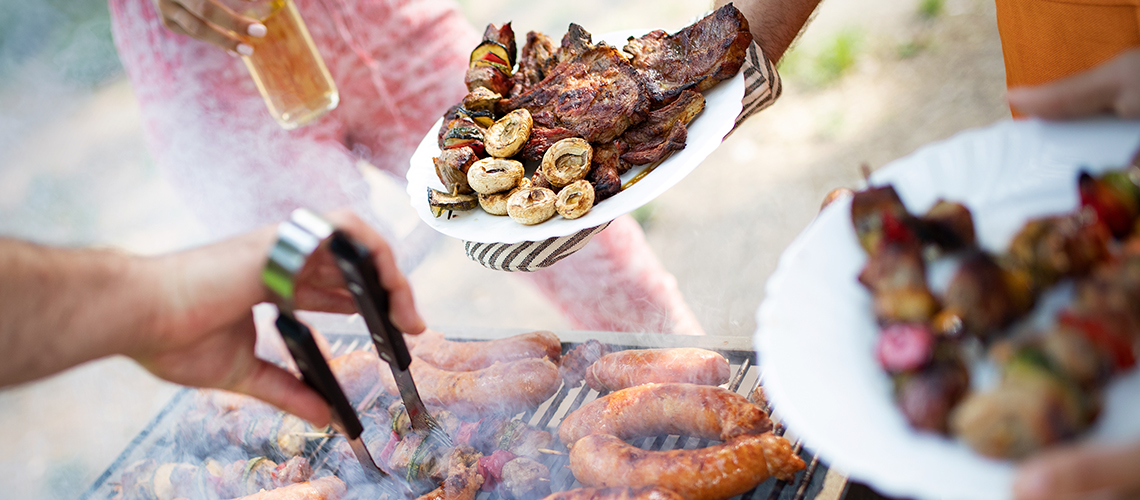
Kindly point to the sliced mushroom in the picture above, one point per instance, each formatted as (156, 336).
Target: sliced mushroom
(575, 199)
(567, 161)
(451, 167)
(509, 134)
(531, 206)
(441, 202)
(494, 175)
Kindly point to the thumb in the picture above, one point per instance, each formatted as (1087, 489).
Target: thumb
(1083, 471)
(284, 390)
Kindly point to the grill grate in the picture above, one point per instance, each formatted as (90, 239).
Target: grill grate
(815, 482)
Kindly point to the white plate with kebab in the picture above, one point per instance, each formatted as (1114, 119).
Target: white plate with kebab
(655, 164)
(849, 383)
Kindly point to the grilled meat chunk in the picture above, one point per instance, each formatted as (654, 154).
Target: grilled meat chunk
(579, 359)
(536, 60)
(605, 168)
(986, 297)
(525, 479)
(576, 41)
(896, 276)
(486, 76)
(541, 138)
(697, 57)
(597, 95)
(663, 131)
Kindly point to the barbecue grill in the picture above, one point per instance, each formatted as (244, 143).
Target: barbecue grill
(348, 333)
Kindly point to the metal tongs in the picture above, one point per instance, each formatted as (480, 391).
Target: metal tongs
(297, 240)
(363, 281)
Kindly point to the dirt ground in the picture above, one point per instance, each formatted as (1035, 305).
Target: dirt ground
(905, 80)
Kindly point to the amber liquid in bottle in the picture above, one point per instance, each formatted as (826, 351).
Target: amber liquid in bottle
(288, 70)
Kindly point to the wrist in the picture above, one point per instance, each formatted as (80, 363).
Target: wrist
(200, 290)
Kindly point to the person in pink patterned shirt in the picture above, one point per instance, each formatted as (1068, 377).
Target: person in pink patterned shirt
(398, 64)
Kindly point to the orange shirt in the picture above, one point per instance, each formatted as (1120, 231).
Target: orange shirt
(1044, 40)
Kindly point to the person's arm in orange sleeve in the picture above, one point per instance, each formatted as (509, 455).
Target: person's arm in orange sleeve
(186, 317)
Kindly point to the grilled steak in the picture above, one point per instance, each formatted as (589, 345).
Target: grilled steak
(663, 131)
(596, 94)
(697, 57)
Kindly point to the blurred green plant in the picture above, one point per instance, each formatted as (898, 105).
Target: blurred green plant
(644, 214)
(834, 59)
(71, 36)
(912, 48)
(930, 9)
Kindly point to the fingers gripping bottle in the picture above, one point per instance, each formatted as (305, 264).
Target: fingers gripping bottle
(285, 64)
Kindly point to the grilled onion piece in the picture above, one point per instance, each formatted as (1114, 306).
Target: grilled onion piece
(575, 199)
(567, 161)
(531, 206)
(509, 134)
(441, 202)
(494, 175)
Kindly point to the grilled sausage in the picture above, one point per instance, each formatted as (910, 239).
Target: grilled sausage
(653, 409)
(325, 488)
(467, 356)
(713, 473)
(617, 493)
(632, 367)
(503, 389)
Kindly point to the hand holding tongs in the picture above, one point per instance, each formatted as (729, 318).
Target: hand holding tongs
(297, 239)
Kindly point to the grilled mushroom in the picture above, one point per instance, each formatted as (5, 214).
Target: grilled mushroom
(531, 206)
(575, 199)
(509, 134)
(494, 175)
(441, 202)
(496, 203)
(567, 161)
(479, 105)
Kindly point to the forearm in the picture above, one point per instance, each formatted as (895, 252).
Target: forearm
(774, 23)
(59, 308)
(62, 307)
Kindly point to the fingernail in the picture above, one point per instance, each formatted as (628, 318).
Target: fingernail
(1033, 482)
(244, 49)
(256, 30)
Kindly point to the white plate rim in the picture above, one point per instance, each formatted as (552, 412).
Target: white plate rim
(884, 452)
(723, 104)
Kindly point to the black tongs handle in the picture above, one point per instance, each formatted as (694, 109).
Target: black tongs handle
(363, 281)
(316, 373)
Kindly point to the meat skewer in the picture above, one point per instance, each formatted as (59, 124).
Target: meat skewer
(149, 480)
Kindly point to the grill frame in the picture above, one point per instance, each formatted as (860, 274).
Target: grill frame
(348, 333)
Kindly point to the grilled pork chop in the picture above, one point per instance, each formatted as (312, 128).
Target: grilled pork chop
(697, 57)
(595, 94)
